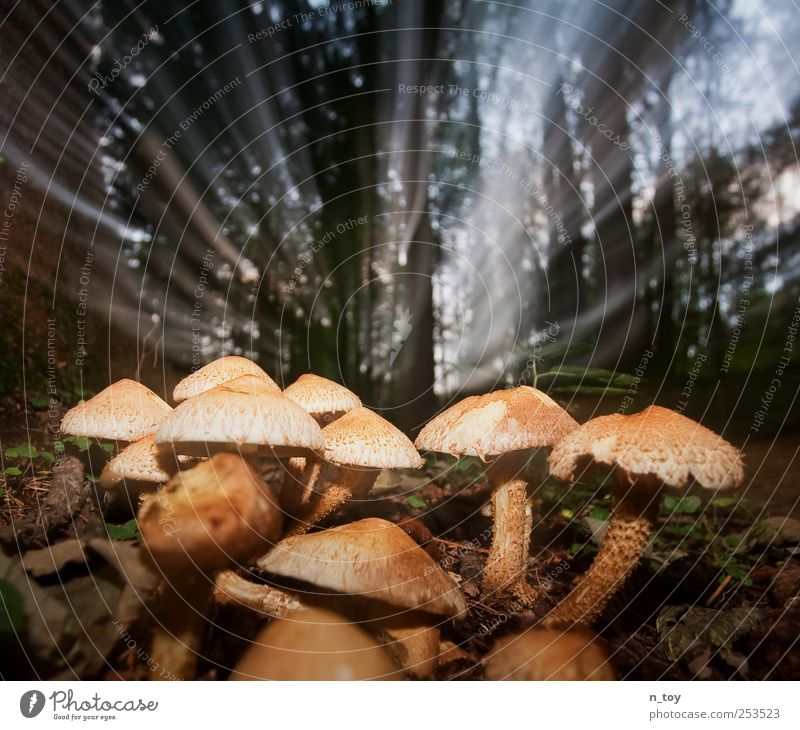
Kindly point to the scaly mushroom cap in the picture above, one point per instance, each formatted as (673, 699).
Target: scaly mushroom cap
(124, 411)
(371, 558)
(314, 644)
(140, 462)
(220, 371)
(363, 438)
(495, 423)
(657, 442)
(243, 415)
(319, 396)
(539, 654)
(214, 514)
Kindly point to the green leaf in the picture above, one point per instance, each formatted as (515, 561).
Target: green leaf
(48, 457)
(26, 451)
(12, 609)
(82, 443)
(599, 513)
(39, 403)
(92, 478)
(126, 531)
(688, 505)
(463, 464)
(724, 502)
(415, 502)
(107, 446)
(13, 471)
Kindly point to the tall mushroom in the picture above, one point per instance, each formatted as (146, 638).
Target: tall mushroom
(314, 644)
(217, 514)
(360, 443)
(124, 411)
(648, 451)
(539, 654)
(370, 568)
(499, 428)
(222, 370)
(245, 415)
(325, 401)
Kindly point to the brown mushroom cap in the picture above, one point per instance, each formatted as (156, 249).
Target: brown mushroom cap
(362, 438)
(244, 415)
(124, 411)
(319, 396)
(217, 513)
(539, 654)
(657, 442)
(140, 462)
(220, 371)
(495, 423)
(371, 558)
(314, 644)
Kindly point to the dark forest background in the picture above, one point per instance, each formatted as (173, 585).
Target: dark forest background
(589, 193)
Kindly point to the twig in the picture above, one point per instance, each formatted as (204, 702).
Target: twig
(720, 588)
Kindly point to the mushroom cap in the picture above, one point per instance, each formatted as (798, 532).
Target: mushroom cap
(221, 370)
(539, 654)
(495, 423)
(371, 558)
(245, 415)
(658, 442)
(141, 462)
(124, 411)
(362, 438)
(314, 644)
(207, 517)
(318, 395)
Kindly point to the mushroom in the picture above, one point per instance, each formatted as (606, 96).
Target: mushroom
(245, 415)
(648, 450)
(360, 443)
(124, 411)
(539, 654)
(217, 514)
(220, 371)
(370, 568)
(499, 428)
(325, 401)
(314, 644)
(141, 466)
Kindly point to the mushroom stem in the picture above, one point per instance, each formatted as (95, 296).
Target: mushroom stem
(180, 614)
(626, 539)
(411, 639)
(233, 590)
(298, 484)
(346, 485)
(506, 566)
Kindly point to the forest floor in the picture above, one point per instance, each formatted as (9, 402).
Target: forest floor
(717, 595)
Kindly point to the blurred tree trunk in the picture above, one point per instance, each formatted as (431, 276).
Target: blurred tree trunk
(666, 241)
(412, 368)
(565, 270)
(611, 86)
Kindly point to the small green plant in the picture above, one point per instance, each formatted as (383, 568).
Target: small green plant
(127, 531)
(25, 456)
(415, 502)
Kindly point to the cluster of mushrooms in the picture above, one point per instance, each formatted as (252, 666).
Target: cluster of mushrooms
(364, 600)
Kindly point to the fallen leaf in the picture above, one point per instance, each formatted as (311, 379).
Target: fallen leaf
(53, 558)
(684, 628)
